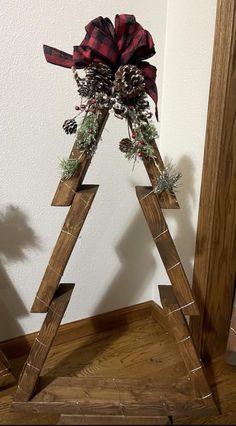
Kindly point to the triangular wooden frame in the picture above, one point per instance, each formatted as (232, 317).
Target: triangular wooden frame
(53, 298)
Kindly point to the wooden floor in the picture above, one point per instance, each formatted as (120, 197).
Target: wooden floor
(141, 349)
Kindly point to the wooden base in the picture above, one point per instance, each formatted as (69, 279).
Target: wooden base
(158, 384)
(114, 397)
(67, 419)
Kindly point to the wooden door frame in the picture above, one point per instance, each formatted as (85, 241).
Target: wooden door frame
(215, 257)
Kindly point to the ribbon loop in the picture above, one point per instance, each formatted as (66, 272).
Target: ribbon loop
(125, 43)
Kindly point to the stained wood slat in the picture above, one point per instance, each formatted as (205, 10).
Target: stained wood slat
(180, 330)
(231, 344)
(113, 397)
(166, 248)
(66, 189)
(6, 376)
(64, 246)
(154, 168)
(67, 419)
(43, 342)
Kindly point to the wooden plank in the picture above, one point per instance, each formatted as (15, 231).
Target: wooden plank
(154, 167)
(113, 397)
(21, 345)
(6, 376)
(231, 344)
(43, 343)
(215, 259)
(70, 419)
(167, 250)
(181, 333)
(66, 189)
(64, 247)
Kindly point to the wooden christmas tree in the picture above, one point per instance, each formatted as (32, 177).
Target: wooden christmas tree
(97, 399)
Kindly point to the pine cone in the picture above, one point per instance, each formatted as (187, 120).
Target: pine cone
(125, 145)
(83, 89)
(129, 81)
(70, 126)
(99, 78)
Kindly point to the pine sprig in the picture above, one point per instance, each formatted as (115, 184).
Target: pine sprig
(86, 138)
(69, 167)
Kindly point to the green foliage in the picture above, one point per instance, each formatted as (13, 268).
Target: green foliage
(86, 138)
(69, 167)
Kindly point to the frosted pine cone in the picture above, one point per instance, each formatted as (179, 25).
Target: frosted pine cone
(125, 145)
(99, 78)
(70, 126)
(129, 81)
(83, 88)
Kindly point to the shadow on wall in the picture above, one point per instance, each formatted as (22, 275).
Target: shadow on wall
(138, 265)
(185, 236)
(15, 236)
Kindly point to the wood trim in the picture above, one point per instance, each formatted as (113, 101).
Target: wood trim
(215, 259)
(20, 346)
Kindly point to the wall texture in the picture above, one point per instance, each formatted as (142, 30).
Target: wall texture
(115, 263)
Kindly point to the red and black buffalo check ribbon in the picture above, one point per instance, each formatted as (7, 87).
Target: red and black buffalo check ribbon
(125, 43)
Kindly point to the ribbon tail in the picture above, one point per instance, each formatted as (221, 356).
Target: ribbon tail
(58, 57)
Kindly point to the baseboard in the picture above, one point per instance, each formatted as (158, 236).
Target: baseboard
(21, 345)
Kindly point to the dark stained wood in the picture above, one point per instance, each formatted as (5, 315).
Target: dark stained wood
(6, 376)
(181, 333)
(67, 419)
(21, 345)
(114, 397)
(231, 344)
(154, 167)
(215, 259)
(64, 247)
(166, 248)
(42, 343)
(139, 349)
(66, 189)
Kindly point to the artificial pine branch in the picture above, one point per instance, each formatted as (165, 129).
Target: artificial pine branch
(69, 167)
(86, 136)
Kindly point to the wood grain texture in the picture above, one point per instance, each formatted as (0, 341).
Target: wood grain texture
(21, 345)
(64, 247)
(67, 419)
(66, 189)
(166, 199)
(167, 250)
(139, 349)
(6, 376)
(215, 259)
(43, 343)
(180, 330)
(231, 343)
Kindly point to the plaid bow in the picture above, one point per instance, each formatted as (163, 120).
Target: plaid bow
(125, 43)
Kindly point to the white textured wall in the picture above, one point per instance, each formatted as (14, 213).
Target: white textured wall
(187, 69)
(114, 263)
